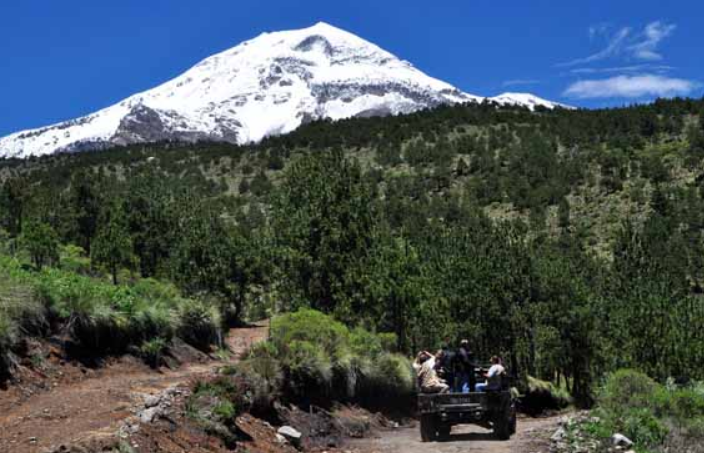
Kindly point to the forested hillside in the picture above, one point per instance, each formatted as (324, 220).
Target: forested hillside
(568, 241)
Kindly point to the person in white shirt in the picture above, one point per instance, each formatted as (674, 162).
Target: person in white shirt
(493, 376)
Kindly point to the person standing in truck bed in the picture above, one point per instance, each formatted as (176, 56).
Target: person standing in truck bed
(428, 380)
(445, 365)
(465, 368)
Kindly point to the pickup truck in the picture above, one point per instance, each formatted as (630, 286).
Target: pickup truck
(439, 412)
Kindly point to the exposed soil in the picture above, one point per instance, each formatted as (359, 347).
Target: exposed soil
(533, 436)
(66, 404)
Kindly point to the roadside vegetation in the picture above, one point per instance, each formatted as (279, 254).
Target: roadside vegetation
(96, 318)
(311, 361)
(568, 242)
(657, 417)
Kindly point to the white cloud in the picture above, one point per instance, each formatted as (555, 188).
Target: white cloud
(646, 85)
(635, 68)
(517, 82)
(626, 44)
(654, 33)
(616, 44)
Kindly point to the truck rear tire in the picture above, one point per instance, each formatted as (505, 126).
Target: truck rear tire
(502, 427)
(444, 431)
(428, 430)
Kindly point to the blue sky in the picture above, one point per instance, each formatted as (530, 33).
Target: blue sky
(61, 60)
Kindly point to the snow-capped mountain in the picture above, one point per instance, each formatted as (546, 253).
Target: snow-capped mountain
(269, 85)
(526, 100)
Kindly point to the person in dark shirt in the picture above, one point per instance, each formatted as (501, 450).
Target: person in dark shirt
(465, 369)
(445, 365)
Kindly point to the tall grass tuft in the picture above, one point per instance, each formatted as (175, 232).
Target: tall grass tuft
(99, 318)
(323, 360)
(199, 324)
(19, 302)
(8, 332)
(20, 313)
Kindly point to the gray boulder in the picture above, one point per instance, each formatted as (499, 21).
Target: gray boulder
(292, 435)
(619, 440)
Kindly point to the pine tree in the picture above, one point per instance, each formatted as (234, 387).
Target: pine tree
(12, 204)
(41, 242)
(85, 202)
(112, 247)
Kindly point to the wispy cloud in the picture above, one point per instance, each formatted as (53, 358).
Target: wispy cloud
(614, 47)
(639, 86)
(519, 82)
(624, 69)
(598, 30)
(625, 43)
(651, 38)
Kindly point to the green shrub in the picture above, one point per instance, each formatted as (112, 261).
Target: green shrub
(213, 405)
(308, 369)
(323, 361)
(388, 341)
(260, 381)
(146, 317)
(152, 351)
(41, 242)
(543, 395)
(20, 303)
(101, 318)
(391, 375)
(199, 324)
(346, 373)
(8, 331)
(365, 343)
(217, 391)
(225, 410)
(680, 404)
(313, 327)
(155, 320)
(651, 414)
(264, 350)
(69, 295)
(155, 290)
(642, 427)
(74, 259)
(84, 307)
(628, 389)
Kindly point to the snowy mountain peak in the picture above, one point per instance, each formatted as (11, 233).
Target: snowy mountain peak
(268, 85)
(527, 100)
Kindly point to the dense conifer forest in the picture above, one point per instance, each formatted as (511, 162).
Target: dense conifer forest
(569, 242)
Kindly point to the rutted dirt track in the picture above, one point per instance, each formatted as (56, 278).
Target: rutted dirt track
(94, 406)
(533, 436)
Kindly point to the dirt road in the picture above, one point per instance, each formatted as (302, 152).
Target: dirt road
(93, 407)
(533, 436)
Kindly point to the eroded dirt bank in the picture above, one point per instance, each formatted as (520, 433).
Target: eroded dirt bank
(80, 406)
